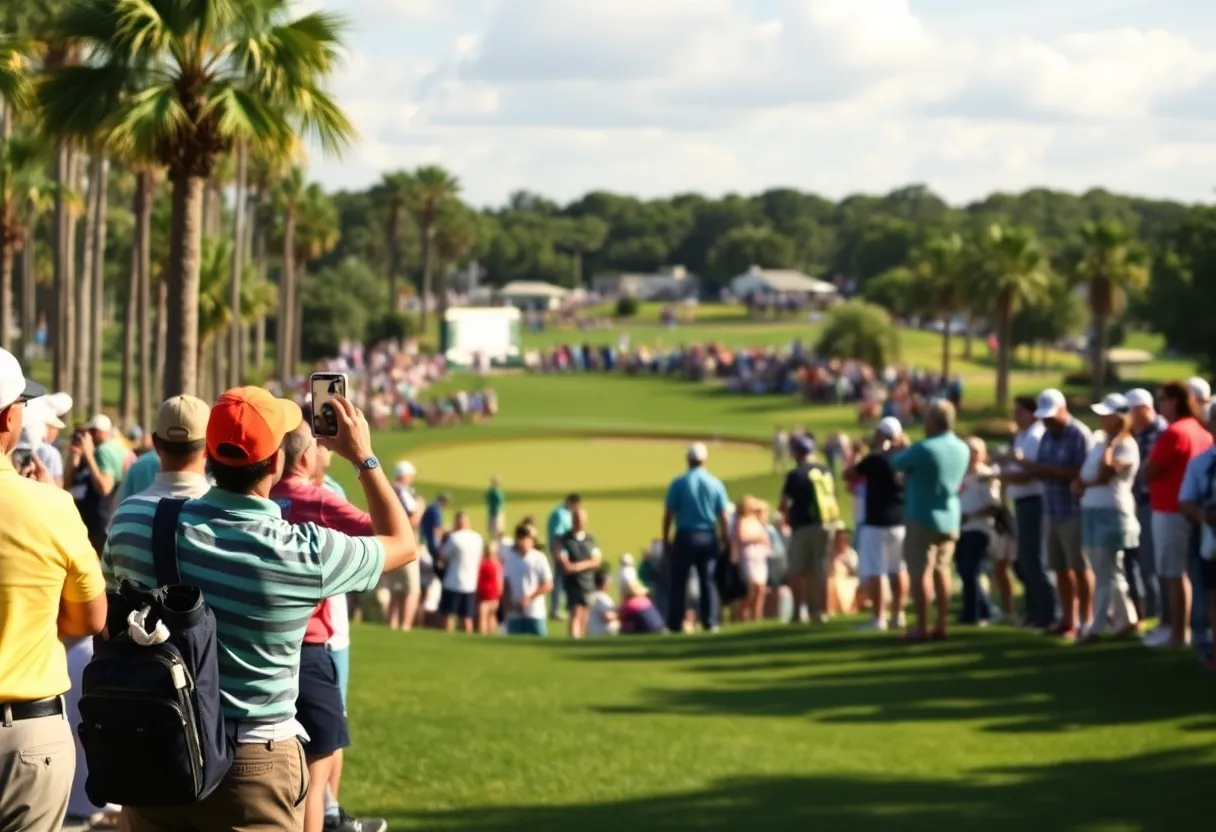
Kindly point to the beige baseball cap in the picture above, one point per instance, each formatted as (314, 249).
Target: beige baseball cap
(182, 419)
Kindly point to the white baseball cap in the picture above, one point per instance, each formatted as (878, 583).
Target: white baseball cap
(404, 469)
(890, 427)
(1051, 402)
(101, 423)
(1114, 403)
(697, 452)
(1139, 398)
(59, 403)
(1200, 387)
(42, 413)
(13, 385)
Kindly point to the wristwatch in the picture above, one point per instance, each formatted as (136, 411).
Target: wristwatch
(369, 464)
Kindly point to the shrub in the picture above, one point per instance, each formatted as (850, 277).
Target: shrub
(627, 306)
(391, 326)
(861, 331)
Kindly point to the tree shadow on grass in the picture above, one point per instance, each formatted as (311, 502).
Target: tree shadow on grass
(1158, 791)
(1011, 682)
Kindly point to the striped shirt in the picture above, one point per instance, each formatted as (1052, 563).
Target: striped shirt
(260, 575)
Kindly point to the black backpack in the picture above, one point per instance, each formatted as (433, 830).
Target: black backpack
(151, 724)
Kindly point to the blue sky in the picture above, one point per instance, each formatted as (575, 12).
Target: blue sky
(654, 97)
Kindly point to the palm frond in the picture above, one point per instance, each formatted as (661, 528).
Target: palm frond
(83, 101)
(322, 120)
(242, 115)
(147, 120)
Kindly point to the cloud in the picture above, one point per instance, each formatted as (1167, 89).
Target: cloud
(657, 96)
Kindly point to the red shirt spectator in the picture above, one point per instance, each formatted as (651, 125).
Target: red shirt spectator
(303, 502)
(1176, 446)
(489, 580)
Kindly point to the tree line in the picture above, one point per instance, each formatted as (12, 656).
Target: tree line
(153, 184)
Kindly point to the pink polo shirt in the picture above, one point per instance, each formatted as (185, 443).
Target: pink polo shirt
(303, 502)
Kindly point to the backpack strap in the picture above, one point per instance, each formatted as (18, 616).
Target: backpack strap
(164, 541)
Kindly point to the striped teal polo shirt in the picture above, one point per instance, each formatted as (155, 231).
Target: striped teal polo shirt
(261, 576)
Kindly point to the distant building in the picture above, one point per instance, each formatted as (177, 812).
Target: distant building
(784, 282)
(668, 283)
(529, 294)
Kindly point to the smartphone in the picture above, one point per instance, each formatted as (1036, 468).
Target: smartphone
(324, 387)
(22, 457)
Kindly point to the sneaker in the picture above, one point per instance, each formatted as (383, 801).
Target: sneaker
(995, 616)
(1157, 637)
(873, 625)
(343, 822)
(823, 618)
(900, 621)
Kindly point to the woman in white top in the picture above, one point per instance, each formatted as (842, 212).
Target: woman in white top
(979, 501)
(1108, 517)
(750, 548)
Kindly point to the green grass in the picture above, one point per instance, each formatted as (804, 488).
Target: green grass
(775, 728)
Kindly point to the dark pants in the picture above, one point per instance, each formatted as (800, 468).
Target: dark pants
(699, 551)
(1040, 597)
(1201, 634)
(1141, 569)
(969, 556)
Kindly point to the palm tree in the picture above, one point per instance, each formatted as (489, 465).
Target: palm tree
(287, 196)
(396, 193)
(97, 281)
(21, 165)
(1112, 265)
(181, 81)
(144, 202)
(455, 236)
(1015, 271)
(216, 312)
(265, 169)
(433, 187)
(236, 352)
(316, 234)
(939, 268)
(84, 288)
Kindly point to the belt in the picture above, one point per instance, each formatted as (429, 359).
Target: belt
(38, 709)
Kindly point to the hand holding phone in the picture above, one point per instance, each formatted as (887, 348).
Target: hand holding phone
(324, 416)
(353, 437)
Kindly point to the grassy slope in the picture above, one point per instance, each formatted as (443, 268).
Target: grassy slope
(775, 728)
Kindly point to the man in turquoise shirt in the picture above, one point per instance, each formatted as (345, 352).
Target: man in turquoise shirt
(695, 510)
(140, 476)
(933, 471)
(561, 520)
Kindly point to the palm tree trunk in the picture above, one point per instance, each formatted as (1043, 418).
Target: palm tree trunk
(29, 283)
(236, 354)
(428, 239)
(84, 291)
(99, 285)
(1101, 346)
(217, 368)
(946, 350)
(6, 288)
(259, 327)
(1004, 354)
(394, 255)
(162, 336)
(143, 224)
(130, 319)
(287, 299)
(60, 319)
(968, 337)
(185, 252)
(297, 343)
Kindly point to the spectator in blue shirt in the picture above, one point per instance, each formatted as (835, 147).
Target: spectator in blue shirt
(1141, 566)
(1197, 502)
(430, 528)
(1062, 452)
(561, 521)
(694, 534)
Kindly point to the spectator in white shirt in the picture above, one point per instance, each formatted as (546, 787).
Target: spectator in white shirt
(979, 501)
(461, 557)
(528, 579)
(1027, 496)
(1108, 517)
(602, 619)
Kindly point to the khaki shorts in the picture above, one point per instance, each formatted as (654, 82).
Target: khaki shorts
(37, 762)
(1171, 543)
(264, 789)
(1064, 549)
(402, 581)
(927, 550)
(808, 550)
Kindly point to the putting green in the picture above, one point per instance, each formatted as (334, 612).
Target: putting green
(591, 464)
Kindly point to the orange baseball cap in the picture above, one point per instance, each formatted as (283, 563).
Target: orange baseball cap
(247, 426)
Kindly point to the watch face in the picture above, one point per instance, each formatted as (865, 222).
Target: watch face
(371, 464)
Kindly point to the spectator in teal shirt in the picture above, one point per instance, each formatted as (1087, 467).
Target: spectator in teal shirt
(140, 476)
(561, 520)
(933, 471)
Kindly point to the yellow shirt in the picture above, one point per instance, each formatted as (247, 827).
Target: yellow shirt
(45, 556)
